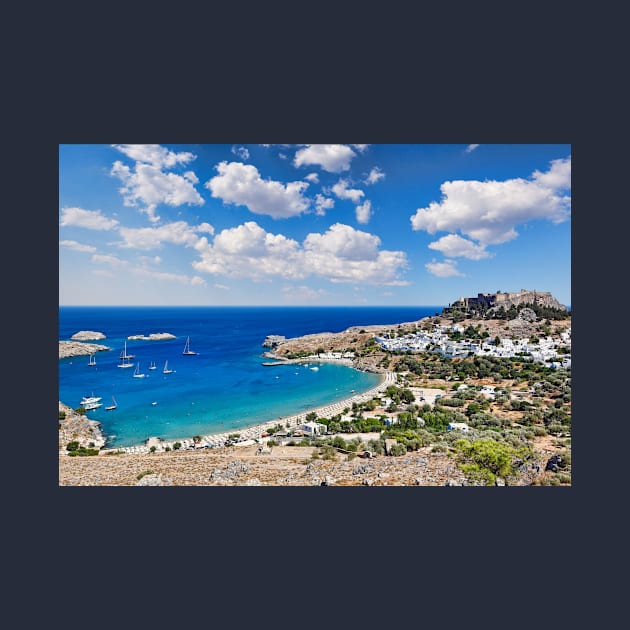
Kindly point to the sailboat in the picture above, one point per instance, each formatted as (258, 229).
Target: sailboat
(166, 370)
(137, 373)
(112, 406)
(92, 359)
(187, 349)
(152, 366)
(124, 355)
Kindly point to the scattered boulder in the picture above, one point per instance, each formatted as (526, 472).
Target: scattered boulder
(528, 315)
(154, 480)
(554, 463)
(232, 470)
(499, 482)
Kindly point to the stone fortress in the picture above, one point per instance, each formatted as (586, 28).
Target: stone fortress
(498, 299)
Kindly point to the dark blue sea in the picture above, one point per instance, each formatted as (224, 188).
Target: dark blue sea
(225, 386)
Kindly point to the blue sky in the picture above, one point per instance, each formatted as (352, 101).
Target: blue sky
(337, 224)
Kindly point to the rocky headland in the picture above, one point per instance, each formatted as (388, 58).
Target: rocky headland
(74, 427)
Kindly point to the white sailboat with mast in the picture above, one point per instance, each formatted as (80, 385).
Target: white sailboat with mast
(187, 350)
(92, 359)
(112, 406)
(137, 373)
(124, 357)
(166, 369)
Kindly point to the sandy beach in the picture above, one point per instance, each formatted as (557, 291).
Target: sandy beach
(255, 432)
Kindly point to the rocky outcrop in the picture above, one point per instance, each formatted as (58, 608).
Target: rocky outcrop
(78, 349)
(74, 427)
(272, 341)
(528, 315)
(87, 335)
(496, 300)
(152, 337)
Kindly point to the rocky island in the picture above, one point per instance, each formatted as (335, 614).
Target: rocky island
(87, 335)
(152, 337)
(77, 349)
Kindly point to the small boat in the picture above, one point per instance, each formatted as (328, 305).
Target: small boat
(152, 366)
(125, 364)
(87, 400)
(112, 406)
(92, 359)
(187, 350)
(166, 370)
(314, 369)
(124, 356)
(154, 403)
(92, 405)
(137, 373)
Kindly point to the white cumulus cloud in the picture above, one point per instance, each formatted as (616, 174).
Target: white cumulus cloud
(444, 269)
(375, 175)
(155, 155)
(241, 184)
(322, 204)
(77, 247)
(364, 212)
(151, 186)
(342, 254)
(453, 245)
(89, 219)
(343, 192)
(241, 152)
(179, 233)
(312, 177)
(489, 211)
(333, 158)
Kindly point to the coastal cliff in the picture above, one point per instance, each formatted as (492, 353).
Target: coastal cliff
(73, 427)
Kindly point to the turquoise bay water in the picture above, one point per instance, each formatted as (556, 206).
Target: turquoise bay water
(225, 387)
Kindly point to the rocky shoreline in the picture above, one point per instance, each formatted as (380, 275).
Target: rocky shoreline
(74, 427)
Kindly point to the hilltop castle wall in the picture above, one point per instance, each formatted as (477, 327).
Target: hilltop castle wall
(524, 296)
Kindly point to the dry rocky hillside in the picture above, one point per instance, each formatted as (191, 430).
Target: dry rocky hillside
(284, 466)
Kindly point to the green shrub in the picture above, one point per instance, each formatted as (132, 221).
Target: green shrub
(398, 449)
(177, 446)
(153, 449)
(62, 415)
(487, 459)
(144, 474)
(271, 443)
(82, 452)
(563, 477)
(72, 446)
